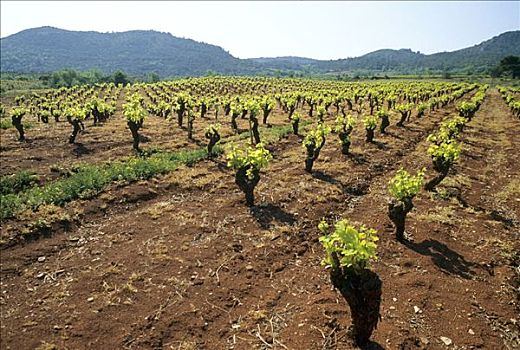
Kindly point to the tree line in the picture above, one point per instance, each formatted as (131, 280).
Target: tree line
(71, 77)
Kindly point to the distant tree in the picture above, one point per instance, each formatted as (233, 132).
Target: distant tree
(93, 76)
(495, 72)
(510, 65)
(154, 77)
(120, 77)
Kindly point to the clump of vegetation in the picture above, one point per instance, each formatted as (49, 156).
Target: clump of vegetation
(403, 187)
(344, 127)
(135, 115)
(313, 143)
(467, 109)
(248, 163)
(17, 182)
(349, 252)
(88, 180)
(370, 123)
(213, 135)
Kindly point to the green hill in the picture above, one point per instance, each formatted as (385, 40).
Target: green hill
(139, 52)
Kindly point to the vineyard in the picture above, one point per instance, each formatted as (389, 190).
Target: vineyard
(258, 213)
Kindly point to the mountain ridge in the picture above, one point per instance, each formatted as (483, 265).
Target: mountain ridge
(46, 49)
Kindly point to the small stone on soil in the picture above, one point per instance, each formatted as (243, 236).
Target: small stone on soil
(447, 341)
(470, 331)
(424, 340)
(41, 259)
(91, 299)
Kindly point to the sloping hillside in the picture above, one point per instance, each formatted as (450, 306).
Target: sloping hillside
(48, 49)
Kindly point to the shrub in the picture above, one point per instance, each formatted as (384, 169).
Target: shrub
(135, 115)
(247, 163)
(313, 143)
(17, 182)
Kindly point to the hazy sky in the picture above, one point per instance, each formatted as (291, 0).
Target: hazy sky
(324, 30)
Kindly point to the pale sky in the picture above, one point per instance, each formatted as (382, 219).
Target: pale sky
(322, 30)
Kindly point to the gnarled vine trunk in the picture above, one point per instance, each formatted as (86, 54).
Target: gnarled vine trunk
(234, 125)
(180, 114)
(247, 185)
(362, 290)
(370, 135)
(266, 114)
(134, 128)
(191, 119)
(345, 142)
(403, 119)
(17, 123)
(384, 124)
(254, 129)
(312, 154)
(77, 126)
(397, 211)
(213, 139)
(442, 169)
(291, 112)
(311, 109)
(295, 126)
